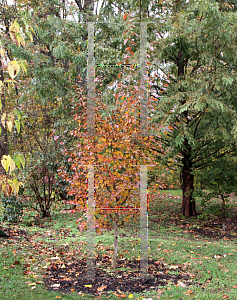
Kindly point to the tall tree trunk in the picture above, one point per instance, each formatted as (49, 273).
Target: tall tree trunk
(188, 203)
(114, 259)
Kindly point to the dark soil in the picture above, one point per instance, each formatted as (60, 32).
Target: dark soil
(212, 229)
(72, 277)
(214, 233)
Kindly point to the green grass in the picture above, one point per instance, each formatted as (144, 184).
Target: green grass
(204, 258)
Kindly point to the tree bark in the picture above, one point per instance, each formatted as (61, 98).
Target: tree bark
(188, 204)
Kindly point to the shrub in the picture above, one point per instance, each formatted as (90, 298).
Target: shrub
(221, 178)
(13, 208)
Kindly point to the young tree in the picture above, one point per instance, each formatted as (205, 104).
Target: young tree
(116, 155)
(10, 67)
(116, 151)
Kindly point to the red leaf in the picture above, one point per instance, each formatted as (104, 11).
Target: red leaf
(125, 16)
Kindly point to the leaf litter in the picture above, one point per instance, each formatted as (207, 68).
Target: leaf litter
(60, 269)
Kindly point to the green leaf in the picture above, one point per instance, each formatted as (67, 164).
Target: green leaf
(19, 160)
(23, 65)
(18, 125)
(18, 114)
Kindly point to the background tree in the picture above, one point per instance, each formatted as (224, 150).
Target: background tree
(197, 92)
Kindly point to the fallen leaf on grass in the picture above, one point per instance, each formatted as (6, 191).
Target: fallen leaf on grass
(99, 289)
(189, 292)
(120, 295)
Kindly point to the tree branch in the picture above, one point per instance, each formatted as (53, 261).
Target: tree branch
(78, 2)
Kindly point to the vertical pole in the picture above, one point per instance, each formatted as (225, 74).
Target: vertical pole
(90, 225)
(91, 82)
(90, 132)
(143, 222)
(143, 79)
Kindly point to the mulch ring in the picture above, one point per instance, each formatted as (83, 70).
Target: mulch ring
(71, 277)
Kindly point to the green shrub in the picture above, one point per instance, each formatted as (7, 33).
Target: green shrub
(13, 208)
(221, 178)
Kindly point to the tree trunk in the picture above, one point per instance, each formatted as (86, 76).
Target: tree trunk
(45, 213)
(114, 259)
(188, 204)
(223, 210)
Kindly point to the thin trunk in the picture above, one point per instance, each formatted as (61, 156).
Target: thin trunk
(114, 259)
(223, 210)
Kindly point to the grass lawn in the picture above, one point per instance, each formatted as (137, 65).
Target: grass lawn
(197, 257)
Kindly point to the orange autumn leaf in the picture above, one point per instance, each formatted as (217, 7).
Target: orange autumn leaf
(119, 295)
(99, 289)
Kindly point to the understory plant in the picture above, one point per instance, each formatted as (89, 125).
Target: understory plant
(12, 208)
(221, 179)
(39, 178)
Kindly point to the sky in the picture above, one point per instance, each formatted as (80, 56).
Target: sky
(10, 2)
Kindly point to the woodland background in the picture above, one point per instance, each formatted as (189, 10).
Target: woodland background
(192, 109)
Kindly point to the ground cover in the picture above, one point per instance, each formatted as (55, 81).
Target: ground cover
(188, 258)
